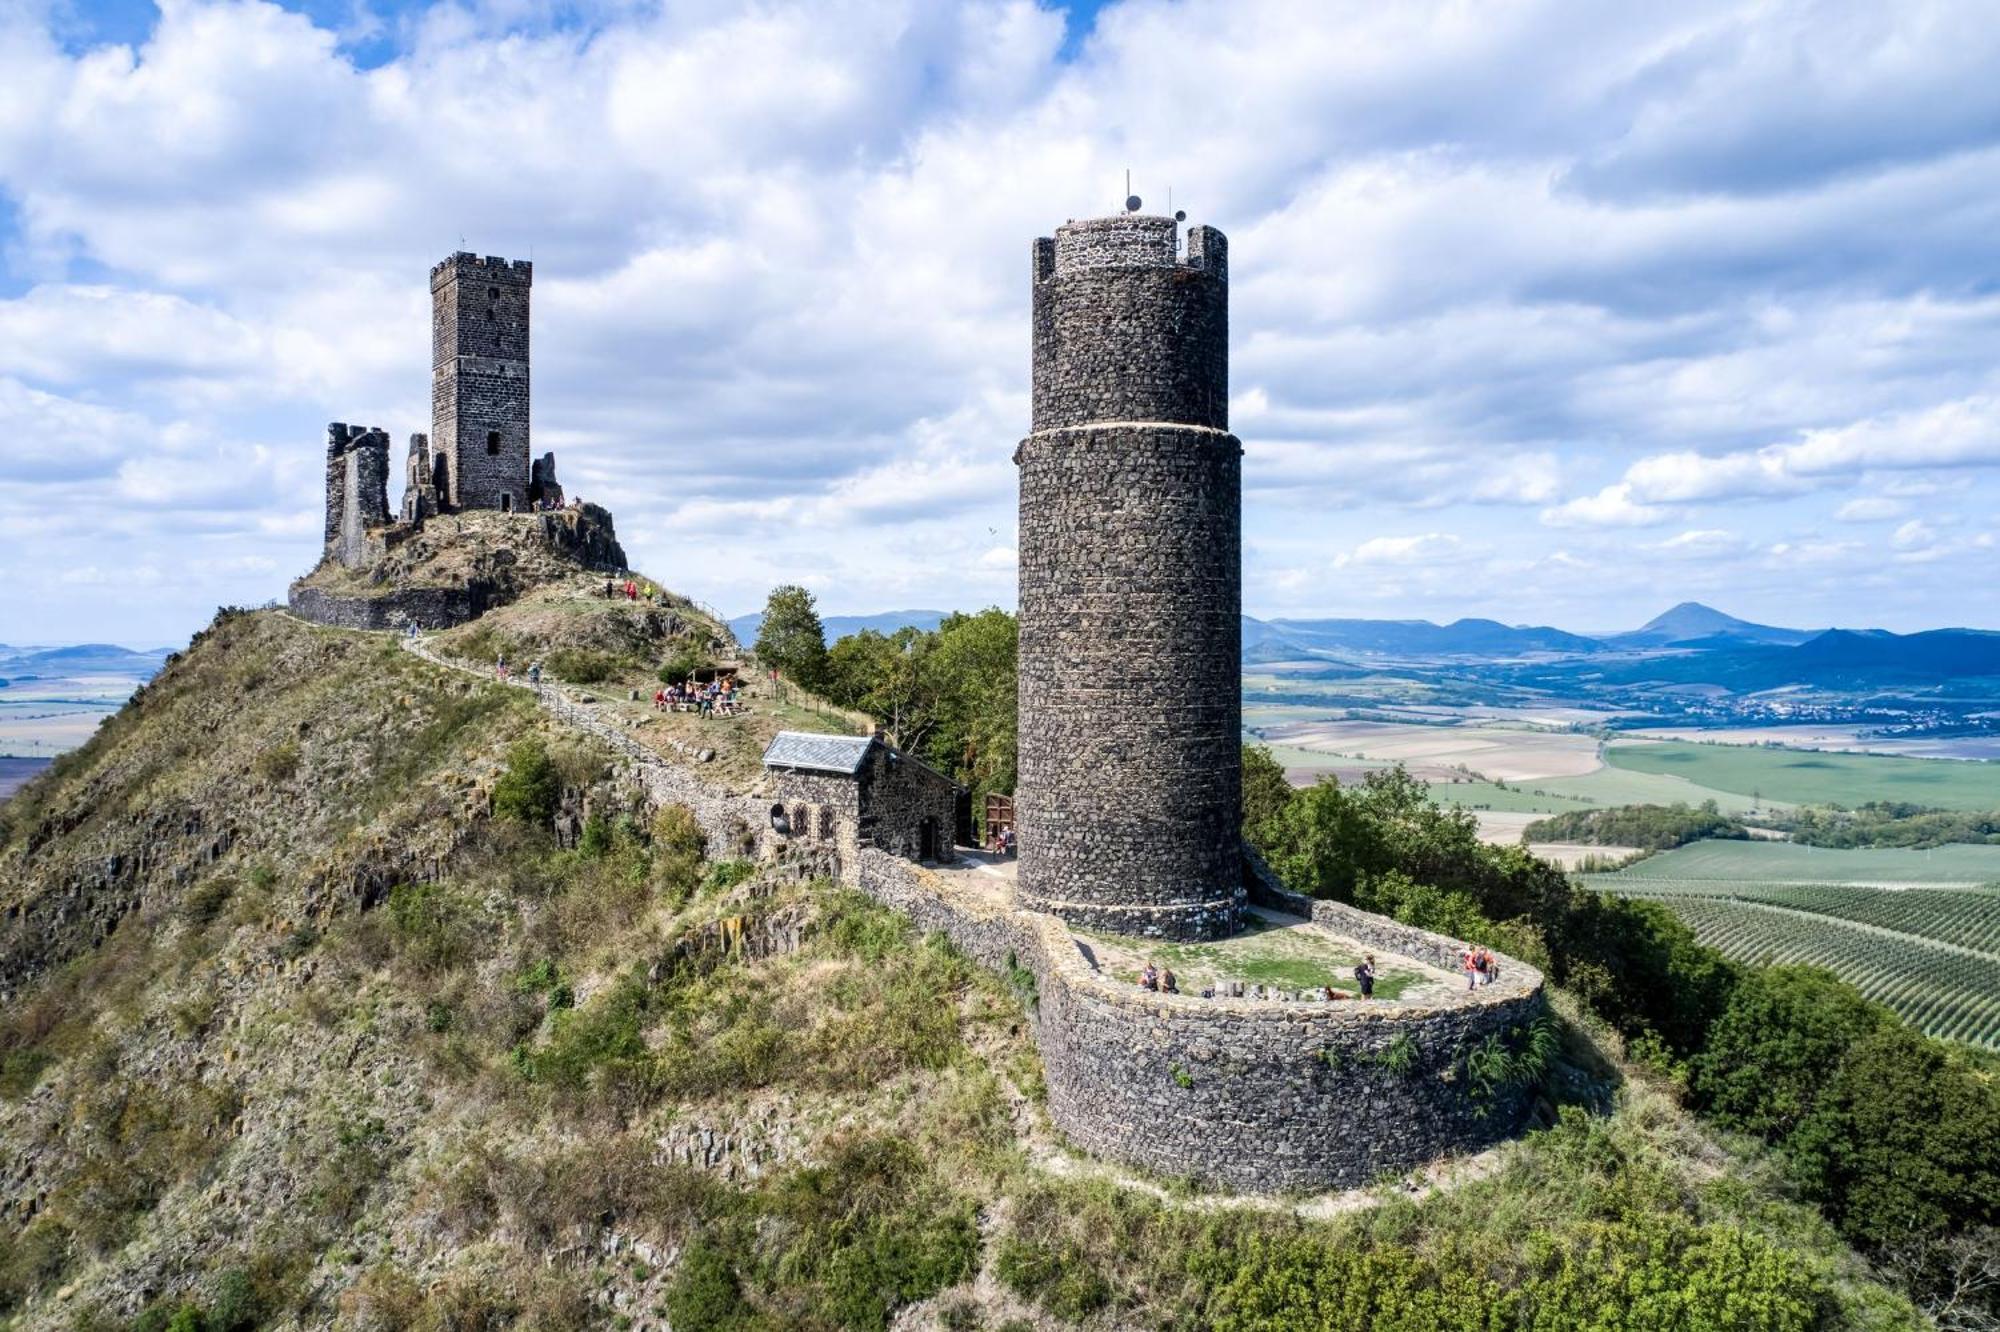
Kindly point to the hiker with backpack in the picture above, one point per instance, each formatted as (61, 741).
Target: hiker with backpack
(1365, 974)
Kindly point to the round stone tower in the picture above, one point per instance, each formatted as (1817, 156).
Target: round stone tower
(1129, 797)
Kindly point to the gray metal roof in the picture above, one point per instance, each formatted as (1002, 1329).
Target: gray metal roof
(819, 753)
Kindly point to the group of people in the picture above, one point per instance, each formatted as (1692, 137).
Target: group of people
(719, 697)
(534, 670)
(1480, 966)
(1001, 841)
(631, 589)
(1158, 979)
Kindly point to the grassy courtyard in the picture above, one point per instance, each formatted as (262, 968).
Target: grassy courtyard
(1286, 951)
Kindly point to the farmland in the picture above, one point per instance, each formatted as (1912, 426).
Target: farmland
(1722, 863)
(1944, 991)
(1801, 777)
(1914, 930)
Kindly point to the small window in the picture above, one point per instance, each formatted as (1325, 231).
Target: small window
(493, 293)
(493, 442)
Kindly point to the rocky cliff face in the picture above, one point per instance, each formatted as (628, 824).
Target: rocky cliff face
(454, 567)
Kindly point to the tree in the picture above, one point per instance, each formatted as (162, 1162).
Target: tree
(1776, 1047)
(531, 789)
(1903, 1143)
(1265, 790)
(792, 639)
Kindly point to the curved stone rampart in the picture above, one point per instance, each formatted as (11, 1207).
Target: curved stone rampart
(424, 607)
(1247, 1094)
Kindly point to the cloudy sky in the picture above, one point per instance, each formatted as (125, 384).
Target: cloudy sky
(1555, 312)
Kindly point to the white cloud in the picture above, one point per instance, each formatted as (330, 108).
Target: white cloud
(1870, 509)
(1425, 549)
(1613, 506)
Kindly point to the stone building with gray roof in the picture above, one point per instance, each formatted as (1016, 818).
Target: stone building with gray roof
(844, 792)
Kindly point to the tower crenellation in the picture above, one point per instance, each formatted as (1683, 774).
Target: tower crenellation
(1130, 776)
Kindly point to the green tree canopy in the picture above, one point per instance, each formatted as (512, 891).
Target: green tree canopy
(792, 639)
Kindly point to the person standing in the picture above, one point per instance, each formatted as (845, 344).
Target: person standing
(1365, 974)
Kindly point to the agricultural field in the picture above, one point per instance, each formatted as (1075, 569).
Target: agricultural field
(1719, 862)
(1943, 991)
(1800, 777)
(1918, 931)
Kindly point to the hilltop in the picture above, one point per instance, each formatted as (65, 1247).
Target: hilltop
(344, 988)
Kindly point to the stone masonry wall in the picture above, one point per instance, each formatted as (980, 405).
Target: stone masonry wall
(1129, 797)
(1251, 1095)
(1125, 330)
(901, 793)
(357, 492)
(479, 379)
(424, 607)
(1128, 801)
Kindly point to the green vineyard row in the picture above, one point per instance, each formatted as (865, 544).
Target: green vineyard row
(1940, 990)
(1965, 917)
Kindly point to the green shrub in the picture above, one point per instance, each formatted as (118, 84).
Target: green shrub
(205, 901)
(1061, 1278)
(596, 839)
(582, 665)
(21, 1070)
(705, 1291)
(726, 874)
(682, 664)
(530, 791)
(279, 762)
(435, 930)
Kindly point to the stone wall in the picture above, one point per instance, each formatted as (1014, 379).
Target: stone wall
(357, 493)
(425, 607)
(422, 476)
(1245, 1094)
(1129, 796)
(822, 808)
(479, 379)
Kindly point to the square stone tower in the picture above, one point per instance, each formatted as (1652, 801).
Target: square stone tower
(479, 380)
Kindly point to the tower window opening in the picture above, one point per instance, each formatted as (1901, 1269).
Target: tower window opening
(493, 293)
(493, 442)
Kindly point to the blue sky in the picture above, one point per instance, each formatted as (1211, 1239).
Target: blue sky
(1555, 312)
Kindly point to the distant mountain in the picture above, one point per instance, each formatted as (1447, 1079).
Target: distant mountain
(1267, 639)
(82, 659)
(1834, 659)
(1694, 625)
(837, 627)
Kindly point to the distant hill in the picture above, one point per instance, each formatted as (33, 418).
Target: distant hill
(745, 627)
(1834, 659)
(1266, 639)
(1694, 625)
(82, 659)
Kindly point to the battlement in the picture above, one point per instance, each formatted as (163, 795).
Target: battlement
(1129, 240)
(486, 268)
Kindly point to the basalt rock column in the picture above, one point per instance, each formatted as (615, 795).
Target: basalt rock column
(1130, 778)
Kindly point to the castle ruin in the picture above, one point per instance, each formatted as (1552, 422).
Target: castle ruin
(1129, 800)
(475, 460)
